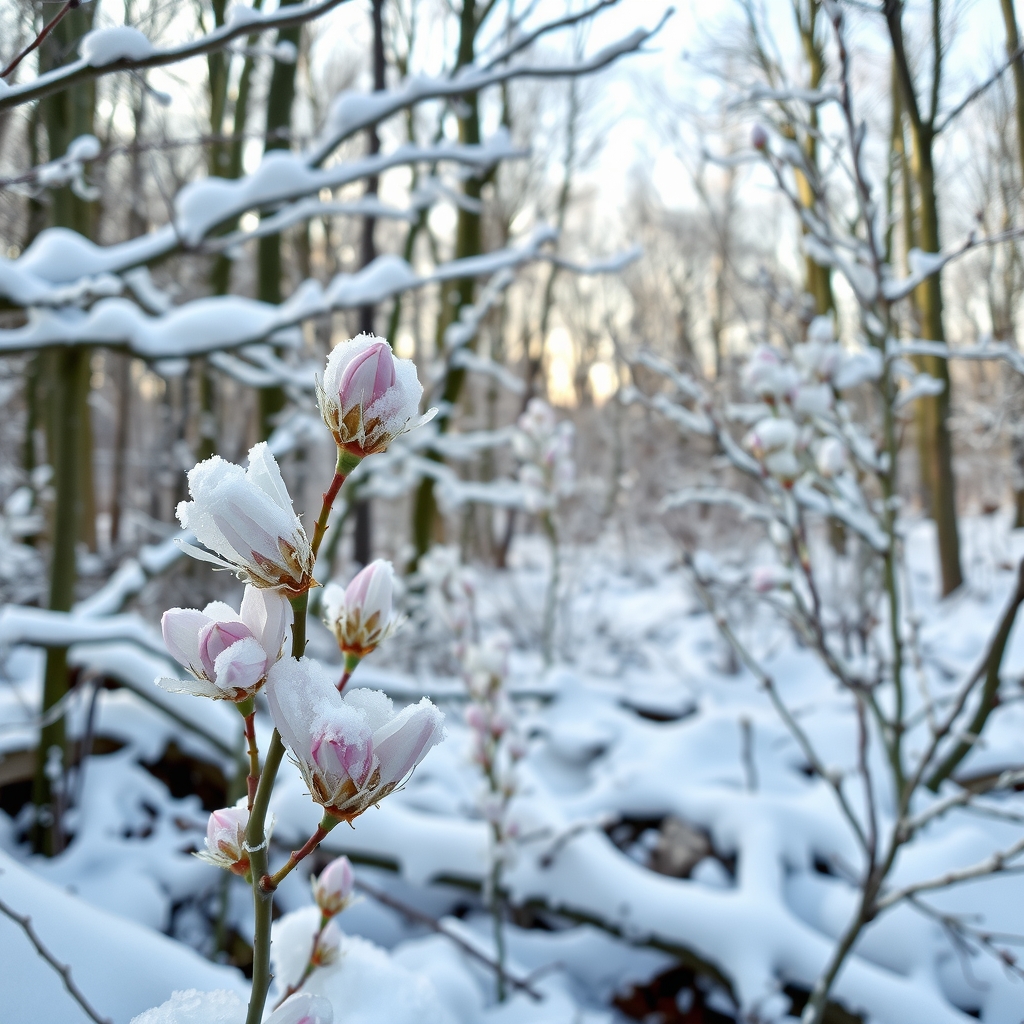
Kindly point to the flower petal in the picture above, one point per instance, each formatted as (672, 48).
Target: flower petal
(181, 628)
(195, 687)
(403, 742)
(265, 473)
(268, 614)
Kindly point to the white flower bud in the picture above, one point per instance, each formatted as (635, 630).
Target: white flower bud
(361, 615)
(246, 518)
(368, 397)
(333, 889)
(354, 750)
(229, 653)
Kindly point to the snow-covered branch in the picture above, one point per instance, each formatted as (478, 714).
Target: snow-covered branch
(124, 48)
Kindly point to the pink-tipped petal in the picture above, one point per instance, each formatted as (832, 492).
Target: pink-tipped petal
(404, 741)
(217, 637)
(341, 752)
(367, 377)
(268, 614)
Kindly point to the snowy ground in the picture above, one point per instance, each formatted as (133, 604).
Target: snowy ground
(664, 812)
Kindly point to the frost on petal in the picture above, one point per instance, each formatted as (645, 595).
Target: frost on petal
(265, 473)
(196, 687)
(181, 628)
(333, 601)
(194, 1007)
(205, 482)
(298, 692)
(241, 666)
(403, 742)
(375, 704)
(245, 518)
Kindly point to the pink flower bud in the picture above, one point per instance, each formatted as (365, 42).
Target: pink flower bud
(246, 518)
(367, 377)
(225, 839)
(333, 889)
(354, 750)
(216, 637)
(368, 397)
(475, 718)
(758, 137)
(361, 616)
(229, 653)
(343, 752)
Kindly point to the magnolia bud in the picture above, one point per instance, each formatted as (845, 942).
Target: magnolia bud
(758, 136)
(333, 889)
(361, 615)
(368, 397)
(225, 839)
(246, 517)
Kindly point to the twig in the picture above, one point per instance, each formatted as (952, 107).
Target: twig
(992, 865)
(436, 926)
(978, 90)
(960, 931)
(43, 33)
(70, 74)
(768, 684)
(25, 923)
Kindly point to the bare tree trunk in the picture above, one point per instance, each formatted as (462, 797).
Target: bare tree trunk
(278, 136)
(363, 535)
(818, 278)
(1017, 449)
(933, 412)
(66, 115)
(468, 242)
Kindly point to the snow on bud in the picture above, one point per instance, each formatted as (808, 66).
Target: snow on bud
(544, 446)
(830, 457)
(333, 889)
(228, 653)
(361, 615)
(354, 750)
(813, 400)
(767, 376)
(225, 839)
(303, 1008)
(246, 518)
(772, 442)
(368, 397)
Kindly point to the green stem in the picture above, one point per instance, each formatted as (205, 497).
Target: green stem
(346, 463)
(253, 778)
(256, 841)
(497, 914)
(270, 882)
(351, 661)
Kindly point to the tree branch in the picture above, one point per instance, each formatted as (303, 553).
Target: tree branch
(81, 70)
(25, 923)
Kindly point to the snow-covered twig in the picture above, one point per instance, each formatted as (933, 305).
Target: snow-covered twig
(126, 49)
(991, 865)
